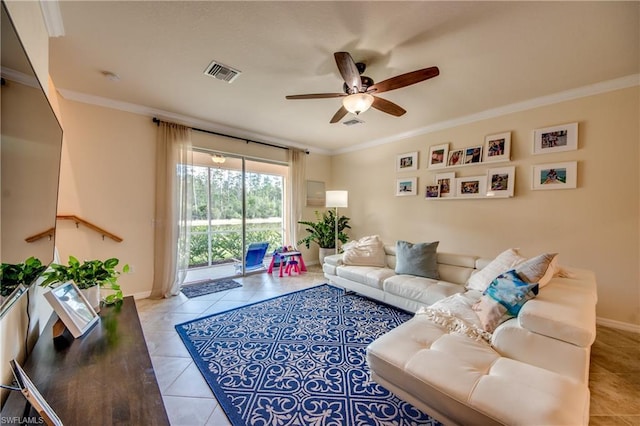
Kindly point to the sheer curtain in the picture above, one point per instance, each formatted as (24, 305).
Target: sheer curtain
(174, 162)
(297, 191)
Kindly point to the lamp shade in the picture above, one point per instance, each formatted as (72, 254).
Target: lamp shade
(337, 198)
(357, 102)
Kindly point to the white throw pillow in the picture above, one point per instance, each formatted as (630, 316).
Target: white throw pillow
(367, 251)
(506, 261)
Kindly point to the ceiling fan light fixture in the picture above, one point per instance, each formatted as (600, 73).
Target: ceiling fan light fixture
(357, 102)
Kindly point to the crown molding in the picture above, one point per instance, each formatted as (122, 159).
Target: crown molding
(52, 17)
(567, 95)
(181, 119)
(580, 92)
(19, 77)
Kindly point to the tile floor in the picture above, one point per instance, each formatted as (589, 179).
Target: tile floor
(615, 360)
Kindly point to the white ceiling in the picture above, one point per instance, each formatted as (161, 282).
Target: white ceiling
(490, 55)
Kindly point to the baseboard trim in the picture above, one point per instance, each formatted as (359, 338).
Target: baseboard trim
(618, 325)
(141, 295)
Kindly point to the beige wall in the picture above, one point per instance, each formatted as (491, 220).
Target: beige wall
(318, 168)
(107, 178)
(595, 226)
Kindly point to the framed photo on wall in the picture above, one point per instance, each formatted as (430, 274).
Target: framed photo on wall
(473, 154)
(501, 181)
(555, 175)
(438, 155)
(471, 187)
(447, 184)
(555, 139)
(407, 162)
(315, 194)
(497, 147)
(456, 158)
(432, 191)
(406, 186)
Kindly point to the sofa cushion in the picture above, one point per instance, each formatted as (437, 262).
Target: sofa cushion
(367, 251)
(504, 262)
(423, 290)
(368, 275)
(418, 259)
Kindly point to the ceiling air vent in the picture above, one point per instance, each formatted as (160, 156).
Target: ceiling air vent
(352, 122)
(221, 72)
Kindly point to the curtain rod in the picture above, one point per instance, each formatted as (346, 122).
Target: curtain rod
(158, 121)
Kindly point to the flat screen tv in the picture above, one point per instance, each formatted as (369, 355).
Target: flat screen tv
(30, 150)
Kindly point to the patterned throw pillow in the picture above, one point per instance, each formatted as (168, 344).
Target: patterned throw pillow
(417, 259)
(539, 269)
(510, 291)
(490, 312)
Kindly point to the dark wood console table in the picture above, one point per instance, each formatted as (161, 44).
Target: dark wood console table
(104, 377)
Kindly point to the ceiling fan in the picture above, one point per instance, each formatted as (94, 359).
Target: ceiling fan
(359, 90)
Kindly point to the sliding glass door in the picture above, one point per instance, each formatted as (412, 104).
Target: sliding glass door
(238, 215)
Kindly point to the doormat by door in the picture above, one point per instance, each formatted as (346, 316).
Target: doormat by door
(207, 287)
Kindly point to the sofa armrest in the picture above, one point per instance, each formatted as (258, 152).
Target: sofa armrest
(334, 260)
(565, 309)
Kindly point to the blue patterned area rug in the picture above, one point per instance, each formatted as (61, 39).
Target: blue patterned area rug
(299, 359)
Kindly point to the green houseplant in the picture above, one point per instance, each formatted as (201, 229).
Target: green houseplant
(88, 274)
(12, 275)
(323, 231)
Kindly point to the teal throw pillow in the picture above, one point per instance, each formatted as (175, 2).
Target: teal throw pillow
(417, 259)
(511, 291)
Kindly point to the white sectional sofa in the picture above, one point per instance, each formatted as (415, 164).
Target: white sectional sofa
(531, 370)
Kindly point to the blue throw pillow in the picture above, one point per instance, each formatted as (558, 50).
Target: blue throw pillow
(510, 291)
(417, 259)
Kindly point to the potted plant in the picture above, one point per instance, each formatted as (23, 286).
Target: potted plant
(12, 275)
(89, 276)
(323, 232)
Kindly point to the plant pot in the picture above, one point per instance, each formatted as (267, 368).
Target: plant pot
(92, 294)
(323, 252)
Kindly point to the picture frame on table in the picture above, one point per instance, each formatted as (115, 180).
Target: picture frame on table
(471, 187)
(501, 181)
(447, 184)
(33, 395)
(72, 308)
(432, 191)
(497, 147)
(559, 138)
(406, 186)
(553, 176)
(407, 161)
(456, 158)
(473, 154)
(438, 155)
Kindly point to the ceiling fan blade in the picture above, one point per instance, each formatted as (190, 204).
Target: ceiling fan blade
(387, 106)
(338, 115)
(348, 70)
(404, 80)
(317, 96)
